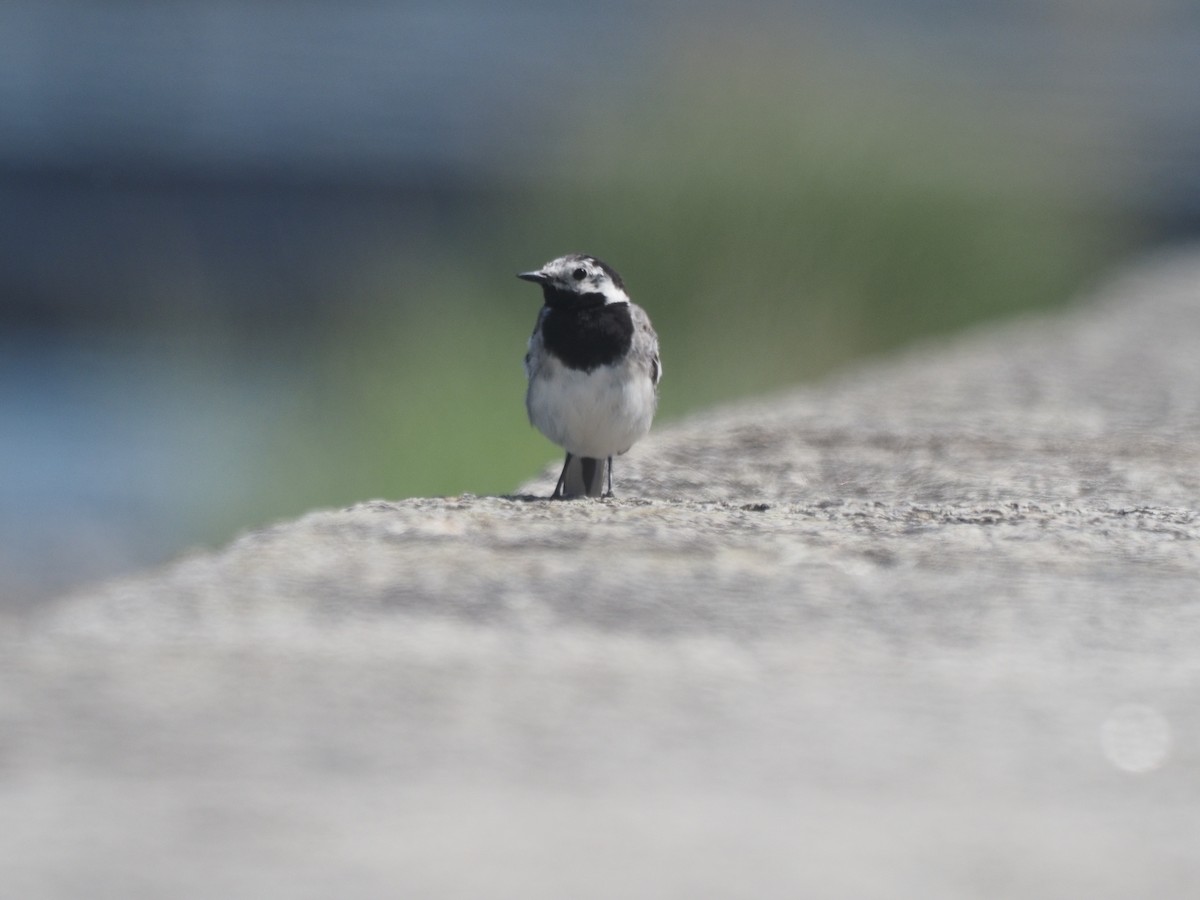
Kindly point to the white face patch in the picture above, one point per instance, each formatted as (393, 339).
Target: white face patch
(564, 272)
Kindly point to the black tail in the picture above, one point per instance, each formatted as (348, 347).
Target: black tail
(583, 476)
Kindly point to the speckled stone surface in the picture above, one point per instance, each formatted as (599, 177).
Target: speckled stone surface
(929, 629)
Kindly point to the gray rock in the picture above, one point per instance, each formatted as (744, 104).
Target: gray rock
(930, 629)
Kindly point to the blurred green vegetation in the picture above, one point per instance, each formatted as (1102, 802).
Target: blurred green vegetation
(775, 219)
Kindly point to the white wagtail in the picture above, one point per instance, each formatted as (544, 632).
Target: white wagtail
(593, 370)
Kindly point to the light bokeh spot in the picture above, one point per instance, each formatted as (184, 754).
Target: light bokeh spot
(1136, 738)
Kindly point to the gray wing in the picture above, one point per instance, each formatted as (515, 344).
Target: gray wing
(645, 343)
(535, 353)
(535, 350)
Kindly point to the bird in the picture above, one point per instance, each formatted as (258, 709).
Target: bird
(593, 368)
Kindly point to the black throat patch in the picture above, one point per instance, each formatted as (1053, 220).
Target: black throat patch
(585, 335)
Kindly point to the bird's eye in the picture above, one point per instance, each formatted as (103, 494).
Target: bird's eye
(579, 274)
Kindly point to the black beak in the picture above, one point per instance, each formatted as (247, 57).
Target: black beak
(535, 277)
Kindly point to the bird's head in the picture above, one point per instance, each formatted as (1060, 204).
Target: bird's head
(578, 280)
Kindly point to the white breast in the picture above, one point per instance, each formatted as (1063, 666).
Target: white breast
(598, 414)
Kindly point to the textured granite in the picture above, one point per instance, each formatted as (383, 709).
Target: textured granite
(929, 629)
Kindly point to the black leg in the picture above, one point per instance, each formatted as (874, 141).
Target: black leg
(562, 477)
(610, 493)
